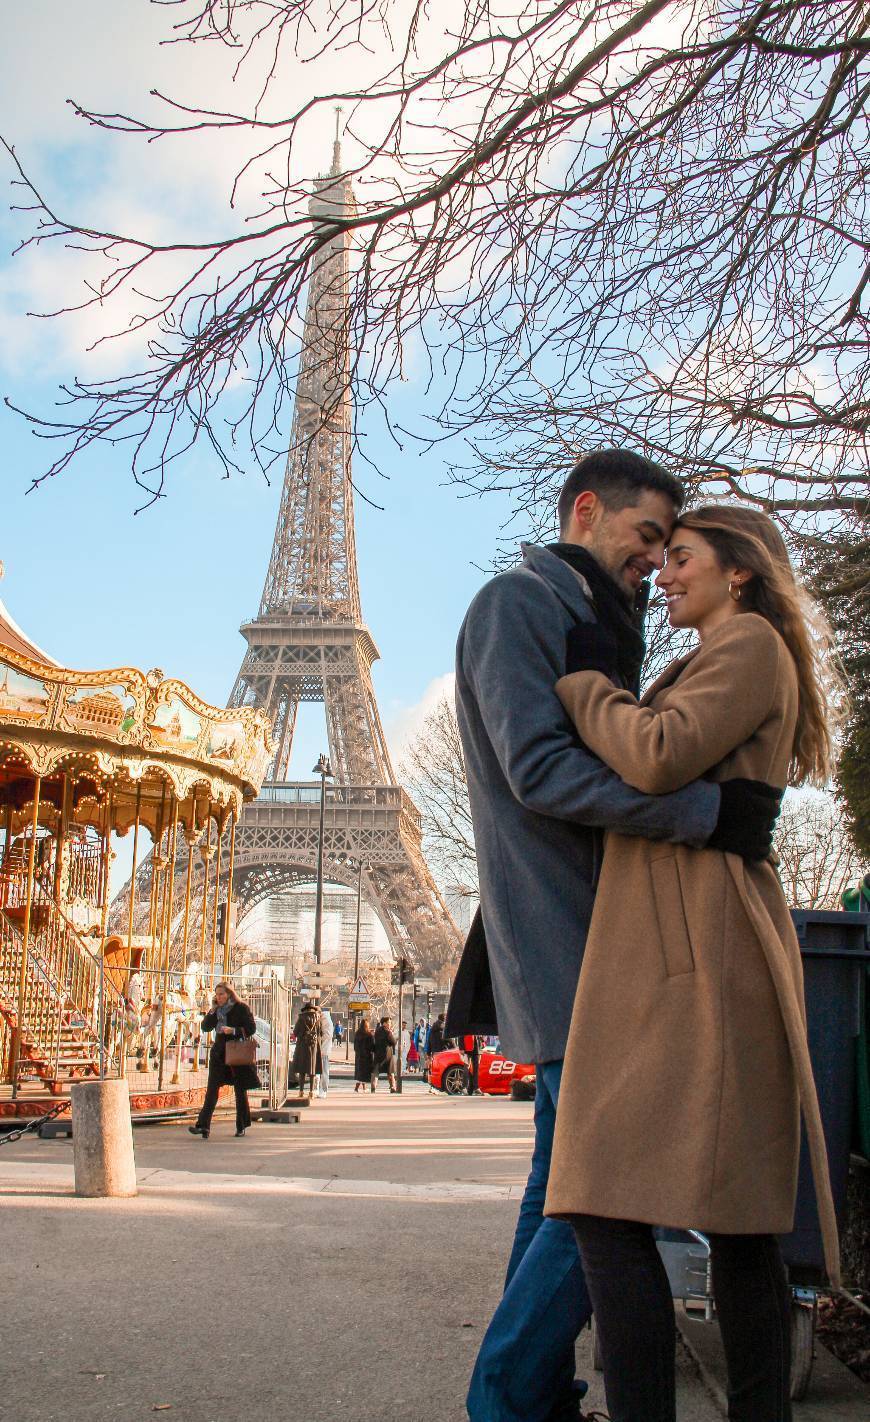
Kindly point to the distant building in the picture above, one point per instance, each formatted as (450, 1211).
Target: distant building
(282, 928)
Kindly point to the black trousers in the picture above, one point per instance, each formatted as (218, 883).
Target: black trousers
(213, 1086)
(634, 1316)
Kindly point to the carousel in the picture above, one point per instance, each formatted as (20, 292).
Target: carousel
(88, 988)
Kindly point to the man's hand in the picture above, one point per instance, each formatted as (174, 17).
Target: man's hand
(747, 818)
(590, 647)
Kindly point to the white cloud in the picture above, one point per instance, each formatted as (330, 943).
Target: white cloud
(407, 721)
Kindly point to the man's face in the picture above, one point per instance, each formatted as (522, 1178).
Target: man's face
(629, 543)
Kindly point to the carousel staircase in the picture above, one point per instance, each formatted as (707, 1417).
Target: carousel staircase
(60, 1013)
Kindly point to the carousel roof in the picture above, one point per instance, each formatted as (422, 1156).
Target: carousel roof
(138, 730)
(12, 636)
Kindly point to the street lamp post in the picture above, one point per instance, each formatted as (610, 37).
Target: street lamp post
(359, 873)
(324, 770)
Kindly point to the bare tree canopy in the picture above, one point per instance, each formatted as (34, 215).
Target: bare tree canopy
(434, 772)
(837, 573)
(603, 223)
(817, 858)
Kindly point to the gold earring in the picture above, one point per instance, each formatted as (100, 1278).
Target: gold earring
(735, 591)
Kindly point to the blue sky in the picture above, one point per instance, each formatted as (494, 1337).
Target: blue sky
(90, 580)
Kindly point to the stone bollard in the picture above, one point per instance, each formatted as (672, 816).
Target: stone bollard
(103, 1138)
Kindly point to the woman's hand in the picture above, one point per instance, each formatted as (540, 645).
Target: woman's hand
(228, 1031)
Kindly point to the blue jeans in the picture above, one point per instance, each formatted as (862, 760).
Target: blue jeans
(525, 1368)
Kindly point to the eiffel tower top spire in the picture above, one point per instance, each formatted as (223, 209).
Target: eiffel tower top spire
(336, 147)
(312, 568)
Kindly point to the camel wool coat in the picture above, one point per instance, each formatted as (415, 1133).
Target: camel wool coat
(687, 1061)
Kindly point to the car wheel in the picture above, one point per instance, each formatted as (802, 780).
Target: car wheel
(455, 1081)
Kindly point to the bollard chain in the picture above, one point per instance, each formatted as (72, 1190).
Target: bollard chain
(34, 1125)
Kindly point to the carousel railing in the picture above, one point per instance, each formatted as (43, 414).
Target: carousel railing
(84, 874)
(92, 1000)
(71, 1014)
(40, 1008)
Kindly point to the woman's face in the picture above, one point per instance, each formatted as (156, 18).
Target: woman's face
(695, 586)
(222, 996)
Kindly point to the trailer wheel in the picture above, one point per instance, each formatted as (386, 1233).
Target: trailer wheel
(803, 1330)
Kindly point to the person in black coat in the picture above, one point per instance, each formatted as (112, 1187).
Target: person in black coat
(228, 1017)
(363, 1056)
(308, 1054)
(437, 1041)
(385, 1053)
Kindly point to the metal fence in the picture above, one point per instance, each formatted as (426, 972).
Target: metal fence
(270, 1000)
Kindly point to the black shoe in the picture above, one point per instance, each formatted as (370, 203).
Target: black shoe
(241, 1132)
(199, 1131)
(570, 1409)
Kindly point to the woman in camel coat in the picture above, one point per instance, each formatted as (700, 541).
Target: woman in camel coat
(687, 1062)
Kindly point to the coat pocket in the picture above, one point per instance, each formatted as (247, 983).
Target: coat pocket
(671, 914)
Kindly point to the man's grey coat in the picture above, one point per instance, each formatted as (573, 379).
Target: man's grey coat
(539, 800)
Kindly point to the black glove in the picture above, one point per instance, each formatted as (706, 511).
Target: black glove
(747, 817)
(590, 647)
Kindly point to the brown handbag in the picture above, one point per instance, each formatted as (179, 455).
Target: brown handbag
(241, 1051)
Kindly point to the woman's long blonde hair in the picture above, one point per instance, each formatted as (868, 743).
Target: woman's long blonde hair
(745, 538)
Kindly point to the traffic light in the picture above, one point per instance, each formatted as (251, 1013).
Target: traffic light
(401, 972)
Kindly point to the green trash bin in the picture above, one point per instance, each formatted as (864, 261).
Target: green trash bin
(835, 950)
(857, 900)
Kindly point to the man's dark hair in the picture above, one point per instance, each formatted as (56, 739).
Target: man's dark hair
(618, 477)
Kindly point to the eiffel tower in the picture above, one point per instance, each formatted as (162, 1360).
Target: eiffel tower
(309, 643)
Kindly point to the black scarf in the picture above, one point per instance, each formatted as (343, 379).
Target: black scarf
(614, 609)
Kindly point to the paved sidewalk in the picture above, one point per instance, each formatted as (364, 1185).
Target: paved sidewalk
(344, 1267)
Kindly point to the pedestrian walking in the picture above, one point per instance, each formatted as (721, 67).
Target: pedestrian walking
(421, 1033)
(326, 1036)
(228, 1018)
(471, 1046)
(539, 801)
(436, 1041)
(385, 1053)
(404, 1045)
(698, 947)
(308, 1055)
(364, 1057)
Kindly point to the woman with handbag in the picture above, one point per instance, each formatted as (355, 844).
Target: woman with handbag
(232, 1059)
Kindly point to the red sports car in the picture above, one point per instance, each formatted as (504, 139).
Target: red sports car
(450, 1072)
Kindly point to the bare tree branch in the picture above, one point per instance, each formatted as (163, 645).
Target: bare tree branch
(603, 224)
(434, 772)
(817, 858)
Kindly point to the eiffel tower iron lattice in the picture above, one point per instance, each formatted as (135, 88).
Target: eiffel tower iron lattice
(308, 643)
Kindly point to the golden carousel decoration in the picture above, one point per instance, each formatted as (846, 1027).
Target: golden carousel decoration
(85, 756)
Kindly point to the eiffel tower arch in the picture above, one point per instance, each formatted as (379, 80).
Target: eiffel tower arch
(309, 643)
